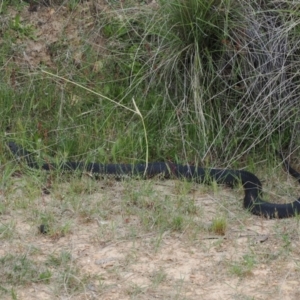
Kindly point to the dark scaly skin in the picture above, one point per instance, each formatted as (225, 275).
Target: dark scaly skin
(251, 184)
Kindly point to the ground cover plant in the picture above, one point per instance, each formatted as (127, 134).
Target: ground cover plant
(213, 83)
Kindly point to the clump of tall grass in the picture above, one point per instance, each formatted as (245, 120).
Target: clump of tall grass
(211, 78)
(238, 62)
(232, 73)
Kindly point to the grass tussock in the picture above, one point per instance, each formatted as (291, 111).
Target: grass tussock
(186, 80)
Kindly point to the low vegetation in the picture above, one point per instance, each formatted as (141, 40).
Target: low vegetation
(207, 82)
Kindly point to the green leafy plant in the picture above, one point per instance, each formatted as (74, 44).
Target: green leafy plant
(22, 30)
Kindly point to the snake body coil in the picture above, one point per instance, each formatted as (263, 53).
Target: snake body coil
(251, 184)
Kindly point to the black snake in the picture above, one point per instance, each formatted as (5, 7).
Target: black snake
(251, 184)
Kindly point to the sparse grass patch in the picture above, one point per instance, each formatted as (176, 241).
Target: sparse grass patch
(244, 266)
(7, 230)
(67, 278)
(160, 211)
(135, 290)
(158, 277)
(19, 270)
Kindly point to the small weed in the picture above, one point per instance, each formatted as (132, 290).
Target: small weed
(59, 260)
(13, 294)
(158, 277)
(177, 223)
(45, 276)
(244, 267)
(219, 225)
(135, 290)
(22, 30)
